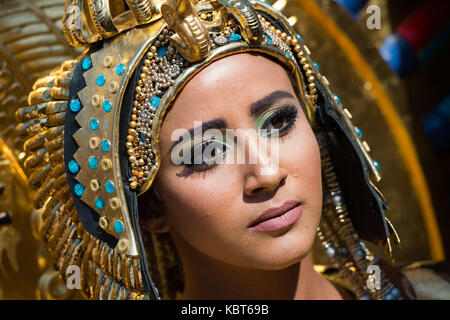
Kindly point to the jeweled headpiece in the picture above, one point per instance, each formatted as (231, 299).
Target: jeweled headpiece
(93, 130)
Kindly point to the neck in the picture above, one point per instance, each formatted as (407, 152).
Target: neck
(207, 278)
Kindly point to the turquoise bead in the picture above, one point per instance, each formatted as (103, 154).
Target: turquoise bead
(75, 105)
(337, 98)
(73, 166)
(107, 106)
(299, 37)
(358, 132)
(109, 186)
(268, 3)
(162, 51)
(120, 69)
(118, 226)
(99, 203)
(269, 41)
(94, 124)
(79, 189)
(154, 101)
(316, 65)
(100, 80)
(234, 37)
(93, 163)
(106, 145)
(376, 164)
(86, 64)
(142, 137)
(289, 54)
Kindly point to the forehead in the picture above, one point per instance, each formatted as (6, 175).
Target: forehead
(225, 88)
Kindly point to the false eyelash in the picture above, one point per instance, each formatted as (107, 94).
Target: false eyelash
(288, 111)
(197, 168)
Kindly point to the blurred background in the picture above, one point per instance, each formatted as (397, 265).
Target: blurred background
(386, 60)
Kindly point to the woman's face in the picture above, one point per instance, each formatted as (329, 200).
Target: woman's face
(211, 207)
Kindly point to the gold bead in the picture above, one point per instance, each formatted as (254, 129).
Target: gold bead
(94, 185)
(140, 174)
(94, 142)
(132, 159)
(114, 203)
(311, 78)
(130, 138)
(147, 62)
(133, 124)
(142, 76)
(106, 164)
(133, 185)
(138, 89)
(283, 35)
(133, 117)
(141, 162)
(108, 61)
(289, 39)
(307, 50)
(95, 100)
(297, 48)
(112, 87)
(129, 145)
(123, 245)
(103, 223)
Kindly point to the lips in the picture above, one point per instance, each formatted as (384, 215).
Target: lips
(275, 212)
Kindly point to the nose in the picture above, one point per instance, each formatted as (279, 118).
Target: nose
(263, 174)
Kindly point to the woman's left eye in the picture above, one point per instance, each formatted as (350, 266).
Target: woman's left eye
(282, 119)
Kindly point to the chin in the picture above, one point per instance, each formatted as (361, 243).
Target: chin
(285, 250)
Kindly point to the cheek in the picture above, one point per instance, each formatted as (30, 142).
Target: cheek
(300, 156)
(195, 204)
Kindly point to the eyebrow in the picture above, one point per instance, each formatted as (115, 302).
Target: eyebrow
(218, 123)
(255, 109)
(261, 105)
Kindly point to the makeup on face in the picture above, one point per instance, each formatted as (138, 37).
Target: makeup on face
(276, 111)
(277, 218)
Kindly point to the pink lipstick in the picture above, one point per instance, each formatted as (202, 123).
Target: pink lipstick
(277, 218)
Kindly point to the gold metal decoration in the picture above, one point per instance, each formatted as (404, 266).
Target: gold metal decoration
(243, 11)
(88, 21)
(191, 38)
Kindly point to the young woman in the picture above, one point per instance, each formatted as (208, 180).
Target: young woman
(147, 181)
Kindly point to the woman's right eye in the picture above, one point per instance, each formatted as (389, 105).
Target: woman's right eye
(206, 154)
